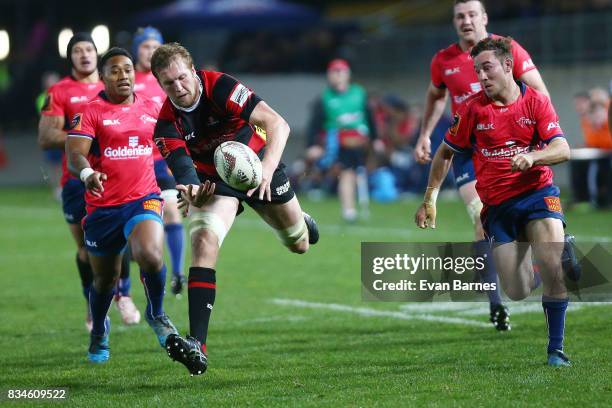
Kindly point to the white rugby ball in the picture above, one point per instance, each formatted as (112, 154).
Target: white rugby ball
(238, 165)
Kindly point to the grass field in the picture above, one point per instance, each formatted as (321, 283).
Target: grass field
(289, 330)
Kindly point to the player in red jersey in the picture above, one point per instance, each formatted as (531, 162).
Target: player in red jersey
(203, 110)
(110, 147)
(513, 134)
(452, 73)
(64, 99)
(146, 41)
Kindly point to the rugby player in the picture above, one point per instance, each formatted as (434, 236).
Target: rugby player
(64, 100)
(204, 109)
(452, 73)
(513, 134)
(110, 148)
(146, 41)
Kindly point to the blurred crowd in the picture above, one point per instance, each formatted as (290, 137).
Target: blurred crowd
(591, 168)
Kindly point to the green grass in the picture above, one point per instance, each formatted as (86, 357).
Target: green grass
(265, 354)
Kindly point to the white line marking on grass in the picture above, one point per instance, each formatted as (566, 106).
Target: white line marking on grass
(365, 231)
(367, 312)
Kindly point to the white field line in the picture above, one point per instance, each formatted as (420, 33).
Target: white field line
(479, 308)
(368, 312)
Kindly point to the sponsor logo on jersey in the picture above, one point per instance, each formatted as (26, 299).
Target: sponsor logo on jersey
(132, 151)
(485, 126)
(553, 204)
(459, 99)
(152, 205)
(524, 122)
(475, 87)
(282, 189)
(240, 95)
(110, 122)
(148, 119)
(75, 124)
(527, 64)
(503, 153)
(190, 136)
(455, 126)
(92, 244)
(452, 71)
(553, 125)
(78, 99)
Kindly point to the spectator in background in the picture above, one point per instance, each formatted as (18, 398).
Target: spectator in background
(343, 117)
(591, 177)
(52, 156)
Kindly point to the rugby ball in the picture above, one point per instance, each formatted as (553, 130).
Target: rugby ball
(238, 165)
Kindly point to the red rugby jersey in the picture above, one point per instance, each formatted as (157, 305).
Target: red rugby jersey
(221, 114)
(146, 84)
(65, 98)
(122, 147)
(453, 68)
(494, 134)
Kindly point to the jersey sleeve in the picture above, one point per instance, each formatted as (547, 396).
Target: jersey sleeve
(522, 60)
(54, 103)
(233, 97)
(458, 136)
(436, 72)
(547, 120)
(166, 134)
(83, 124)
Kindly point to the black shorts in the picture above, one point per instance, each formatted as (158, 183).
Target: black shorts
(281, 190)
(351, 158)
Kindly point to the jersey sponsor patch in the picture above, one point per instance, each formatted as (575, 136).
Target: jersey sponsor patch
(553, 204)
(261, 132)
(152, 205)
(75, 124)
(456, 120)
(240, 95)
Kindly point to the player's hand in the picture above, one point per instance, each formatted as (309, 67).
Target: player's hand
(426, 213)
(94, 183)
(426, 216)
(521, 162)
(422, 150)
(267, 171)
(194, 195)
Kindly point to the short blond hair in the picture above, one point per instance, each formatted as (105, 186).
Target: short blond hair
(163, 56)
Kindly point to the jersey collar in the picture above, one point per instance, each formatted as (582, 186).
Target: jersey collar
(197, 101)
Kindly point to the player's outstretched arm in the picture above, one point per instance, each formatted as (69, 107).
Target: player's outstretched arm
(557, 151)
(435, 102)
(277, 133)
(50, 132)
(426, 213)
(77, 148)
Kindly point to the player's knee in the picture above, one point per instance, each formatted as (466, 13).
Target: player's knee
(207, 230)
(517, 291)
(295, 237)
(204, 241)
(104, 283)
(148, 257)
